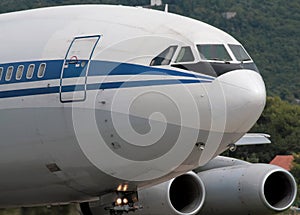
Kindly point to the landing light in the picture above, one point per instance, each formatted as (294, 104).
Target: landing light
(119, 187)
(119, 201)
(125, 201)
(125, 188)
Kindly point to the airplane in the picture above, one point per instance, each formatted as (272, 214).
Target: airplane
(127, 110)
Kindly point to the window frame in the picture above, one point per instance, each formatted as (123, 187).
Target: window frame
(233, 53)
(41, 70)
(20, 71)
(159, 56)
(28, 69)
(227, 49)
(9, 73)
(1, 72)
(179, 52)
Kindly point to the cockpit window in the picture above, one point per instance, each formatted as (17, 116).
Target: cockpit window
(165, 57)
(185, 55)
(214, 52)
(239, 53)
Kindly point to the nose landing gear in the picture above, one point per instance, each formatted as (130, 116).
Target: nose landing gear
(125, 201)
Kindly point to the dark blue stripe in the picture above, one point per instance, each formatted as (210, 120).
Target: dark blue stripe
(73, 88)
(97, 68)
(131, 84)
(53, 71)
(74, 72)
(112, 85)
(29, 92)
(128, 84)
(113, 68)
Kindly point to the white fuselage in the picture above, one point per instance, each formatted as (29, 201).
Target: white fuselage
(95, 114)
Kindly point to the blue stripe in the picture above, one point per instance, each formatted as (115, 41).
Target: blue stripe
(97, 68)
(113, 68)
(29, 92)
(53, 71)
(112, 85)
(130, 84)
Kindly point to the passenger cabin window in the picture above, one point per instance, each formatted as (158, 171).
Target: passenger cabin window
(30, 71)
(239, 53)
(9, 73)
(41, 71)
(185, 55)
(165, 57)
(19, 72)
(214, 52)
(1, 72)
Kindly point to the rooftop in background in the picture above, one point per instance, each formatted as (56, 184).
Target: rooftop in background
(284, 161)
(229, 15)
(156, 2)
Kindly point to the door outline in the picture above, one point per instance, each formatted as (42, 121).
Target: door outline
(65, 63)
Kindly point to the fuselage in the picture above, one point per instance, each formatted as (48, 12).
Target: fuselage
(96, 96)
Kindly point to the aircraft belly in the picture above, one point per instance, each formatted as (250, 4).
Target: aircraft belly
(75, 151)
(41, 161)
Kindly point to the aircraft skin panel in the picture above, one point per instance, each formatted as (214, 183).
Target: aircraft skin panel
(48, 33)
(33, 148)
(122, 120)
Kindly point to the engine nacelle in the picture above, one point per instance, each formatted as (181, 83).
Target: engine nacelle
(223, 186)
(248, 189)
(183, 195)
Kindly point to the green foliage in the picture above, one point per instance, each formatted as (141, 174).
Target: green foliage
(16, 5)
(296, 173)
(281, 120)
(268, 29)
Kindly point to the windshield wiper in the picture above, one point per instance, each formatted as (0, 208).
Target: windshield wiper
(246, 59)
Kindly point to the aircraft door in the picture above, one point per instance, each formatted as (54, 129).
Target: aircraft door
(75, 68)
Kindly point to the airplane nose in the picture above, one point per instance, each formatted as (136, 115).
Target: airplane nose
(245, 97)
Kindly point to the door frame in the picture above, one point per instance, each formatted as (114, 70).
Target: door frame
(87, 68)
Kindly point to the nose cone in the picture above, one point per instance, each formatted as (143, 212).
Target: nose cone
(245, 97)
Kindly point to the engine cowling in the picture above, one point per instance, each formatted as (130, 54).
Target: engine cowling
(247, 189)
(183, 195)
(223, 186)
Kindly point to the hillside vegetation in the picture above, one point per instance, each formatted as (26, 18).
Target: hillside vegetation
(268, 29)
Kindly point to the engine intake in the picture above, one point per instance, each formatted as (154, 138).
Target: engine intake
(184, 195)
(223, 186)
(282, 197)
(248, 189)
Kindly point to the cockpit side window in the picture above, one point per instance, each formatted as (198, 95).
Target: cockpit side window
(185, 55)
(165, 57)
(216, 52)
(239, 53)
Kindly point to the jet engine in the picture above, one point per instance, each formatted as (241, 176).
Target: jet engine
(183, 195)
(223, 186)
(248, 189)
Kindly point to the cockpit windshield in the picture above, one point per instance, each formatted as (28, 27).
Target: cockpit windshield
(215, 52)
(185, 55)
(239, 53)
(165, 57)
(215, 59)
